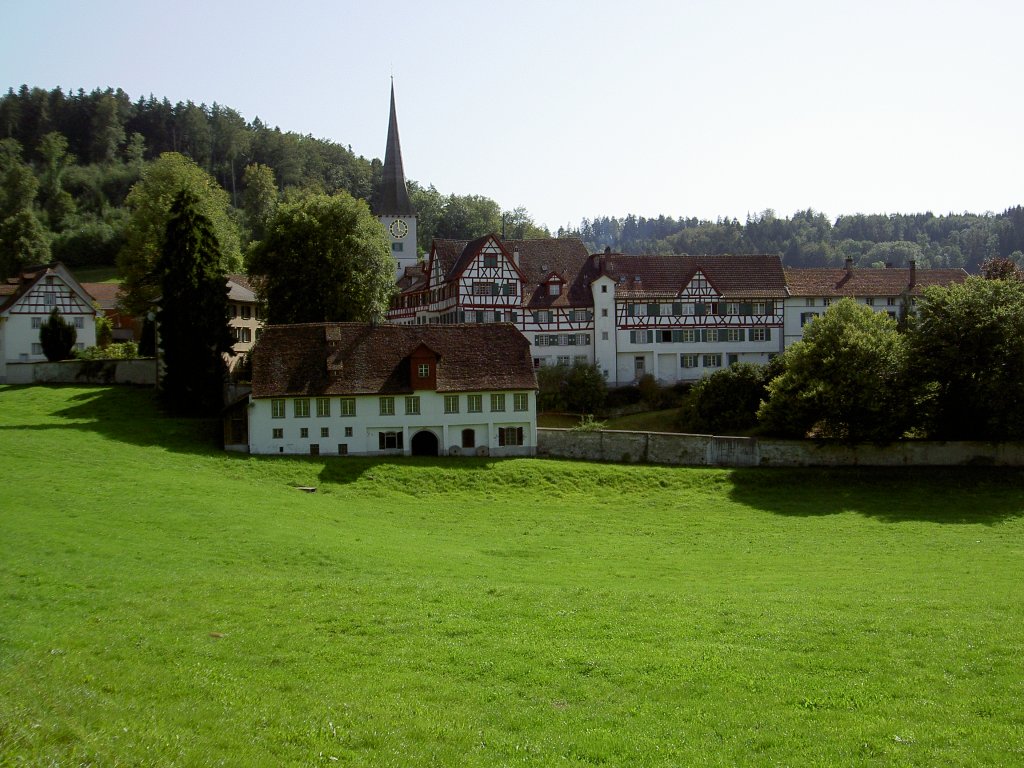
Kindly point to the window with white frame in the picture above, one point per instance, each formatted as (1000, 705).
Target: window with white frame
(806, 317)
(79, 322)
(554, 289)
(37, 322)
(423, 370)
(563, 360)
(247, 313)
(497, 402)
(278, 433)
(540, 340)
(300, 408)
(325, 431)
(688, 361)
(520, 401)
(734, 334)
(732, 307)
(714, 360)
(451, 403)
(323, 407)
(277, 409)
(412, 405)
(474, 403)
(760, 334)
(389, 441)
(483, 289)
(347, 406)
(711, 335)
(826, 302)
(304, 432)
(348, 431)
(387, 406)
(759, 308)
(891, 301)
(870, 301)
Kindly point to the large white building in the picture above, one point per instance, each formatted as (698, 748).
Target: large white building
(373, 390)
(26, 301)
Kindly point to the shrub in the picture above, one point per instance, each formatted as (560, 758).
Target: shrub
(57, 337)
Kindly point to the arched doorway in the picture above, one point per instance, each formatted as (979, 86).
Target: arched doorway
(424, 444)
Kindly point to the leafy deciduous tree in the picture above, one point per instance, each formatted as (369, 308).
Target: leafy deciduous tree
(150, 203)
(325, 259)
(968, 350)
(848, 378)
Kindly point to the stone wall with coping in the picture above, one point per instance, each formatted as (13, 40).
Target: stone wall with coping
(717, 451)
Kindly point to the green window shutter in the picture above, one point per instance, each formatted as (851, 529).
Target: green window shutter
(746, 309)
(700, 309)
(743, 331)
(703, 335)
(653, 310)
(677, 308)
(768, 334)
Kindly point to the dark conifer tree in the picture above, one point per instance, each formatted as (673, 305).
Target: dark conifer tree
(192, 319)
(57, 337)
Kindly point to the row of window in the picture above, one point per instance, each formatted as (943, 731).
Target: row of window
(561, 339)
(702, 335)
(869, 301)
(245, 311)
(395, 440)
(565, 360)
(494, 289)
(78, 321)
(386, 405)
(685, 308)
(574, 315)
(711, 360)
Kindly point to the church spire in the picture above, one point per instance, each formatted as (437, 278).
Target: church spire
(394, 196)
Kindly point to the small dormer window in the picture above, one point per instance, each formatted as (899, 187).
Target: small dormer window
(423, 370)
(554, 289)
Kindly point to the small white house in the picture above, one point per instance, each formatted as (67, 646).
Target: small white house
(378, 390)
(26, 301)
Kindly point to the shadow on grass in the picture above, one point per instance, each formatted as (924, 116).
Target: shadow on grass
(130, 415)
(952, 495)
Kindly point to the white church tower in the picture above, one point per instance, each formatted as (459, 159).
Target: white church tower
(394, 209)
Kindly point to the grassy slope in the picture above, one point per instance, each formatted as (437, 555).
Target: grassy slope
(165, 604)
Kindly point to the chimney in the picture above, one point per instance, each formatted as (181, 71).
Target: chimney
(515, 256)
(849, 265)
(913, 273)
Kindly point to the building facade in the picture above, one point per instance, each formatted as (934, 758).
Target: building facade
(359, 389)
(26, 301)
(891, 290)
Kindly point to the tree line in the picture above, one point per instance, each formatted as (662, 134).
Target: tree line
(68, 161)
(809, 238)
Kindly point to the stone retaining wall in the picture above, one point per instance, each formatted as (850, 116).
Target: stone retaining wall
(715, 451)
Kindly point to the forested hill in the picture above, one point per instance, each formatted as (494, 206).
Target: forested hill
(810, 238)
(68, 160)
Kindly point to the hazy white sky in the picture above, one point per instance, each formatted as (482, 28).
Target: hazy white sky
(578, 109)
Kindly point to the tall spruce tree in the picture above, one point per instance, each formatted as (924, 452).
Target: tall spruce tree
(57, 337)
(193, 328)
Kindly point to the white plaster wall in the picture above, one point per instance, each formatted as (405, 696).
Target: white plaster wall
(19, 335)
(368, 423)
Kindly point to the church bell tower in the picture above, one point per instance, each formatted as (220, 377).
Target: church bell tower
(394, 209)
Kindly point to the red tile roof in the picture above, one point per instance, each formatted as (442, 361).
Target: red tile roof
(733, 276)
(837, 282)
(105, 294)
(358, 359)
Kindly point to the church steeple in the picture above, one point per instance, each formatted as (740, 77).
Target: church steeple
(394, 208)
(394, 196)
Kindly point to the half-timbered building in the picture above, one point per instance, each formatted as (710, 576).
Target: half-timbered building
(679, 318)
(26, 301)
(360, 389)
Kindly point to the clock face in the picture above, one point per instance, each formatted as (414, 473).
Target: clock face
(399, 228)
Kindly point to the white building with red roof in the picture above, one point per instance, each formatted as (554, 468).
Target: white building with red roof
(26, 301)
(380, 390)
(891, 290)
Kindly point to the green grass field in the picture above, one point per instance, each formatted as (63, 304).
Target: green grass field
(164, 604)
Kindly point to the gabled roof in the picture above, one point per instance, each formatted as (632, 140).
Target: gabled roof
(105, 294)
(733, 276)
(838, 282)
(538, 258)
(12, 290)
(240, 288)
(414, 278)
(360, 359)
